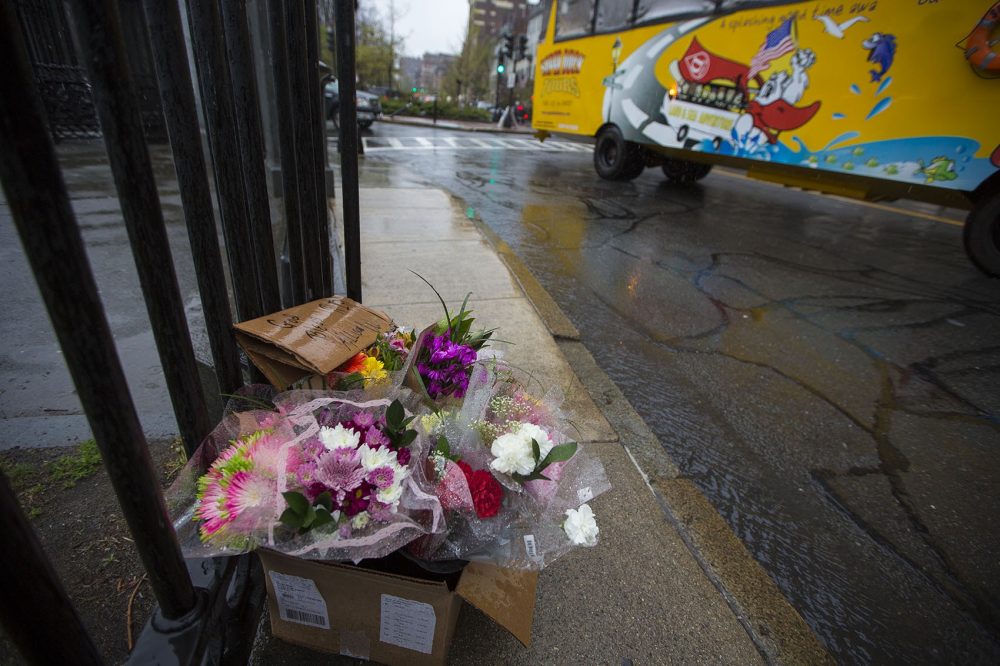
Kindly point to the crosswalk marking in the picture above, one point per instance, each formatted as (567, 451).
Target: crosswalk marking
(376, 144)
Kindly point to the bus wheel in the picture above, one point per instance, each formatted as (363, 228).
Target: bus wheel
(614, 157)
(682, 171)
(982, 235)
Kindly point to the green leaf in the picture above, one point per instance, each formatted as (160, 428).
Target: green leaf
(323, 517)
(324, 500)
(394, 415)
(443, 304)
(443, 447)
(291, 519)
(310, 516)
(297, 502)
(351, 381)
(536, 452)
(559, 453)
(407, 437)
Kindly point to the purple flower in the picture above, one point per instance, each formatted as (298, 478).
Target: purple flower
(363, 420)
(375, 438)
(340, 469)
(381, 477)
(403, 456)
(446, 368)
(356, 501)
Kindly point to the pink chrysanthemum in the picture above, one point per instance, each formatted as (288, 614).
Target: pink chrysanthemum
(340, 469)
(381, 477)
(211, 511)
(249, 492)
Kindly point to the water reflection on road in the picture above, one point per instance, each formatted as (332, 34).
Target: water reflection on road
(826, 372)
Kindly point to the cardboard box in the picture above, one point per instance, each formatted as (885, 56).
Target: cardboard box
(313, 338)
(389, 617)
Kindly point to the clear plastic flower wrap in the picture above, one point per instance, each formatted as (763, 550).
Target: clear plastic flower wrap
(510, 479)
(324, 475)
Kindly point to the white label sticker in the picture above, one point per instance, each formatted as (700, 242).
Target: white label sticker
(407, 623)
(529, 546)
(585, 494)
(299, 600)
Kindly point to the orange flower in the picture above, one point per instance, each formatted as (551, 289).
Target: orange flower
(354, 364)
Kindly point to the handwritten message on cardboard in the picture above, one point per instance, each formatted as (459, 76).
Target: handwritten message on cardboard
(313, 338)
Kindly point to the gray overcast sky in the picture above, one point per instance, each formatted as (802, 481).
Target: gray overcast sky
(428, 26)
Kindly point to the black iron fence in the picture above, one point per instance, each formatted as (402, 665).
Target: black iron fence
(206, 607)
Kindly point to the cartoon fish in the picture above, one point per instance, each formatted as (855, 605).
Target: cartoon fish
(881, 51)
(940, 168)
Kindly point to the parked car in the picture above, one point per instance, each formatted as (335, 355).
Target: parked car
(368, 105)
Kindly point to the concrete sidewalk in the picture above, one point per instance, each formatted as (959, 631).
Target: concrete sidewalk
(463, 125)
(646, 593)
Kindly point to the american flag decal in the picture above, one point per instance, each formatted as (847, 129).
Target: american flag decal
(779, 42)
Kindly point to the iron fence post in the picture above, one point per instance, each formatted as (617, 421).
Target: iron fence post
(286, 141)
(251, 142)
(349, 145)
(318, 123)
(177, 94)
(34, 599)
(40, 206)
(209, 48)
(99, 27)
(309, 181)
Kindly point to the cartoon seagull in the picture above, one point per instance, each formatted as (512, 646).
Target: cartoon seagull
(838, 29)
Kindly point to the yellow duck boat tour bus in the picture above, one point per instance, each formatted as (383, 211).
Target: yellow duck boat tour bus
(865, 98)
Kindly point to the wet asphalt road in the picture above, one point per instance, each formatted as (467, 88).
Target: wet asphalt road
(827, 372)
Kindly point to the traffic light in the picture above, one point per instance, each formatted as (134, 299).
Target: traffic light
(522, 47)
(508, 45)
(500, 67)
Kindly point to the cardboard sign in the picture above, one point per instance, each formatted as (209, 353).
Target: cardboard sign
(313, 338)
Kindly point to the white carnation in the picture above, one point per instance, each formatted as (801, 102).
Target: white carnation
(360, 520)
(391, 494)
(580, 526)
(339, 437)
(373, 458)
(530, 431)
(512, 455)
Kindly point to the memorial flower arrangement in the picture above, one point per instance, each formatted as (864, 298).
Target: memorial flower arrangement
(513, 486)
(447, 352)
(319, 475)
(429, 446)
(377, 364)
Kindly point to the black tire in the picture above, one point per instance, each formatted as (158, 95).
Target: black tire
(365, 124)
(682, 133)
(683, 171)
(615, 158)
(981, 235)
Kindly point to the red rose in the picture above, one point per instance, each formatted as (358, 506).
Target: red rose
(464, 466)
(487, 493)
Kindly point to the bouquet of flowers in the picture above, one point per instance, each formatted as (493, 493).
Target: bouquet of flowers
(445, 354)
(513, 486)
(381, 366)
(321, 476)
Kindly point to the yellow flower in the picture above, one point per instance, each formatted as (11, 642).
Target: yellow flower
(372, 370)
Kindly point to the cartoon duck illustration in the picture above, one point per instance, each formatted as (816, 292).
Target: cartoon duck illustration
(940, 168)
(881, 51)
(774, 108)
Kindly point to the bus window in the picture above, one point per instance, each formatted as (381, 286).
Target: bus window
(613, 14)
(728, 6)
(574, 18)
(659, 10)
